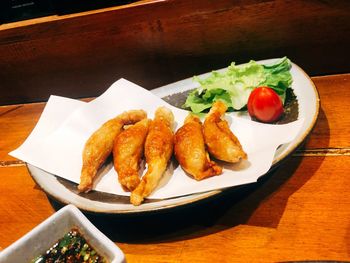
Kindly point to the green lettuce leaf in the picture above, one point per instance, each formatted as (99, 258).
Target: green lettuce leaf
(235, 84)
(278, 76)
(200, 102)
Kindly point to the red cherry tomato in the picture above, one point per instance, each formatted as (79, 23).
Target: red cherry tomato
(265, 105)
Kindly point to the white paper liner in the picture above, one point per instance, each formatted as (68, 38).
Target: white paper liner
(56, 143)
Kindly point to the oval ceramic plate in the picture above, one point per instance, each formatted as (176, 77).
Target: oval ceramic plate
(97, 202)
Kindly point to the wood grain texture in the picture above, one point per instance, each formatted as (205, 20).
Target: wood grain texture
(16, 123)
(300, 211)
(157, 42)
(22, 204)
(333, 118)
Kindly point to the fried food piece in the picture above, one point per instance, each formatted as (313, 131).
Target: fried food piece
(127, 153)
(158, 150)
(190, 150)
(100, 145)
(218, 137)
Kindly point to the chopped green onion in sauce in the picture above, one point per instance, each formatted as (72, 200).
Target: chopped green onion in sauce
(73, 247)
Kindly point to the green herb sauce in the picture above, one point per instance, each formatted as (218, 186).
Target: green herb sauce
(71, 248)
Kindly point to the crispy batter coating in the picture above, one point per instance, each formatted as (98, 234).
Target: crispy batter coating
(190, 150)
(127, 153)
(158, 150)
(219, 139)
(100, 144)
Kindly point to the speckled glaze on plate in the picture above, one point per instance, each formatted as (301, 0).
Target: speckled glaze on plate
(65, 192)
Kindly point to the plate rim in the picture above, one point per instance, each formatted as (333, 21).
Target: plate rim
(191, 198)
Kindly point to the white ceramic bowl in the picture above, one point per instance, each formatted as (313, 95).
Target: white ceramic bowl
(46, 234)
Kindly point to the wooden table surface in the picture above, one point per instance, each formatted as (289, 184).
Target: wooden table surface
(301, 211)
